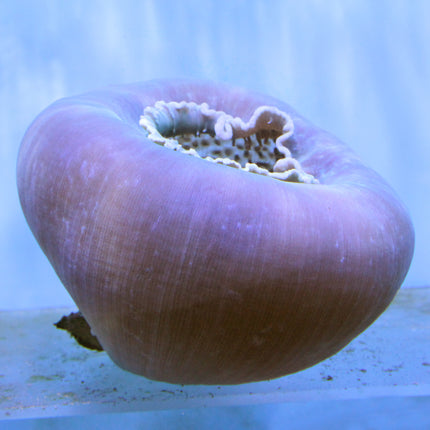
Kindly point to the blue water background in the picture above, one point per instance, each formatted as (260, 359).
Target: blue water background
(359, 68)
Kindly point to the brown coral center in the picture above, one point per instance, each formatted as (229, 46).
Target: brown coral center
(257, 146)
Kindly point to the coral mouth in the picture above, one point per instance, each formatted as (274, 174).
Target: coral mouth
(257, 146)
